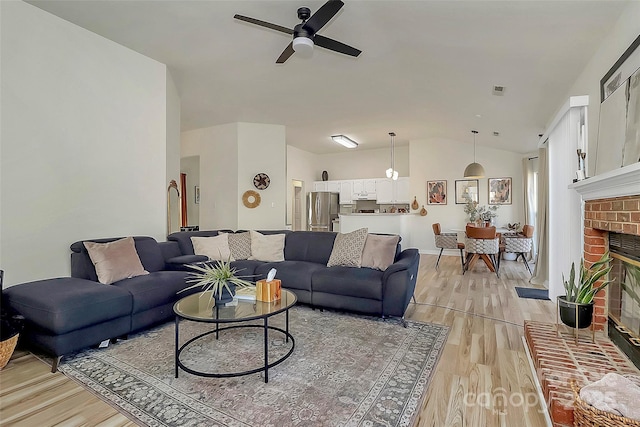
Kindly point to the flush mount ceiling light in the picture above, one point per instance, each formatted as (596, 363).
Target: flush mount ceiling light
(343, 140)
(474, 170)
(392, 172)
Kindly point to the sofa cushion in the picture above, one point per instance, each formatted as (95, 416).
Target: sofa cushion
(312, 246)
(65, 304)
(246, 268)
(267, 247)
(347, 249)
(355, 282)
(115, 260)
(379, 251)
(215, 247)
(293, 274)
(156, 289)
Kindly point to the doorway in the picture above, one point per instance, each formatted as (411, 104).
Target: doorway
(297, 220)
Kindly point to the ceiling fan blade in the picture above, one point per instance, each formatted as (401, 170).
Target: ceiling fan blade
(335, 45)
(264, 24)
(323, 15)
(286, 54)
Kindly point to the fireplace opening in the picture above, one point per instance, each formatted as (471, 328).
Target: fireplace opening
(624, 294)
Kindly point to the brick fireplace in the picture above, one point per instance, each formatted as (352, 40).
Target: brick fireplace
(616, 214)
(611, 205)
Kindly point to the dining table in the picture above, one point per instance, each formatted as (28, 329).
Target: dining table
(462, 234)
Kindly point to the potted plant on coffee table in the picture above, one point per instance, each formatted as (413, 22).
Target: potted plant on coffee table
(218, 277)
(576, 306)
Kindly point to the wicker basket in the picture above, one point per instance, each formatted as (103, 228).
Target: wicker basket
(6, 350)
(585, 415)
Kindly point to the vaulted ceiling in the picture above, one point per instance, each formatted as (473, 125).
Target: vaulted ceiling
(427, 69)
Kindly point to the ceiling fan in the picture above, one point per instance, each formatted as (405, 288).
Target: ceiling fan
(305, 33)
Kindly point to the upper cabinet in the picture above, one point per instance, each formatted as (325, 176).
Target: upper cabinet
(320, 186)
(390, 191)
(346, 192)
(364, 189)
(331, 186)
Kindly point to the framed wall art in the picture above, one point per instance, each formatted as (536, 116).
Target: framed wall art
(466, 188)
(437, 192)
(500, 191)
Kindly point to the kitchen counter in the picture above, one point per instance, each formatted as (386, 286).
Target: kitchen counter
(376, 214)
(384, 223)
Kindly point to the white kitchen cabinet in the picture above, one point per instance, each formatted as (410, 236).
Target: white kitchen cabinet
(403, 190)
(333, 186)
(320, 186)
(346, 192)
(364, 189)
(390, 191)
(384, 191)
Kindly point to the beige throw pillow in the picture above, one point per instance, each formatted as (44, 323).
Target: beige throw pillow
(379, 251)
(347, 249)
(215, 247)
(115, 260)
(267, 247)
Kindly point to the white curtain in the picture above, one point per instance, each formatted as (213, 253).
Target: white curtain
(541, 271)
(529, 181)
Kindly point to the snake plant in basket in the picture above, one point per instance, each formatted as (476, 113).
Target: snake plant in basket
(580, 292)
(219, 278)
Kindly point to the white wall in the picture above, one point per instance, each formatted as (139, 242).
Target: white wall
(218, 151)
(356, 163)
(588, 83)
(230, 156)
(173, 131)
(262, 148)
(83, 137)
(441, 159)
(301, 166)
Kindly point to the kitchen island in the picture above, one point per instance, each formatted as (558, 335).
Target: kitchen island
(384, 223)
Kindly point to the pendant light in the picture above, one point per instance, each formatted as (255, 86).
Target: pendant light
(392, 172)
(474, 170)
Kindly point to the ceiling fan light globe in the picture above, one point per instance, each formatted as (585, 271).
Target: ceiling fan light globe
(474, 170)
(303, 46)
(395, 175)
(389, 173)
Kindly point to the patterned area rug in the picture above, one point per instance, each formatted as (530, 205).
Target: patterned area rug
(345, 370)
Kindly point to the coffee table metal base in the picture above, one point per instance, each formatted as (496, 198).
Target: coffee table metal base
(265, 368)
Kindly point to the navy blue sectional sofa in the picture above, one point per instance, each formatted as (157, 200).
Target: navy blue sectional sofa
(68, 314)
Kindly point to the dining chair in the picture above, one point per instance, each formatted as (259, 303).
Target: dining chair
(482, 243)
(520, 244)
(447, 241)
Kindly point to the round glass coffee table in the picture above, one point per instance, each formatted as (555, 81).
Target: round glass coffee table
(199, 307)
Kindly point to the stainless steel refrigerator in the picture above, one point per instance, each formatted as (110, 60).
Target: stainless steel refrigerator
(323, 208)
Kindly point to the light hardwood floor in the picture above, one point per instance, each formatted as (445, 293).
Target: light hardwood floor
(483, 377)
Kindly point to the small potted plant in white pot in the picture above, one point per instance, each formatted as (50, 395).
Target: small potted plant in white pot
(219, 278)
(580, 292)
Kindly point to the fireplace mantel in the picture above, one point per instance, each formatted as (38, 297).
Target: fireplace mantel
(616, 183)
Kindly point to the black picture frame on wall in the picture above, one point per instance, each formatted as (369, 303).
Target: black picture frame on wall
(607, 78)
(466, 186)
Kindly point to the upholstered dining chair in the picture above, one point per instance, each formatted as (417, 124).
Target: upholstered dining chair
(520, 244)
(482, 243)
(447, 241)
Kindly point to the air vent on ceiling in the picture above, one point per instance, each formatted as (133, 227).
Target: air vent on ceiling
(498, 90)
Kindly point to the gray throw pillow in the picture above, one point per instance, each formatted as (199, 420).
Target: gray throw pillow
(347, 249)
(240, 245)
